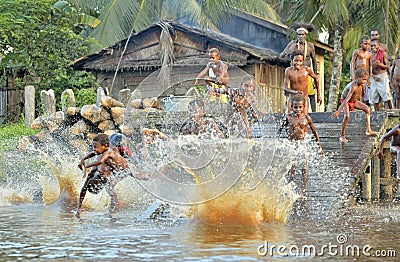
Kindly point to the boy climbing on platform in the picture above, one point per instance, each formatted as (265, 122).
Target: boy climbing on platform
(218, 77)
(394, 133)
(350, 99)
(296, 124)
(109, 168)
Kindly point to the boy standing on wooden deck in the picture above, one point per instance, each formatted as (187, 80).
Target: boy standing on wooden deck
(296, 124)
(394, 147)
(350, 99)
(362, 58)
(296, 80)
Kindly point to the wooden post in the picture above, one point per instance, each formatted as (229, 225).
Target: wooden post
(387, 187)
(366, 185)
(375, 178)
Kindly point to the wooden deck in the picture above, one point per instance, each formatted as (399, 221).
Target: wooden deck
(339, 179)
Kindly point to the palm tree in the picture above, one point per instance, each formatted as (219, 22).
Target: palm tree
(349, 20)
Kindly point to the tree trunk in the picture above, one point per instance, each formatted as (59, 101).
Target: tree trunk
(336, 69)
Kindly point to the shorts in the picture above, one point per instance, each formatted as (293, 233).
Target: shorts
(223, 98)
(351, 104)
(96, 183)
(380, 91)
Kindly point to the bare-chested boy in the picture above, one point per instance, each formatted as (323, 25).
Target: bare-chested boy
(296, 124)
(218, 77)
(362, 58)
(380, 88)
(109, 168)
(350, 99)
(296, 80)
(395, 78)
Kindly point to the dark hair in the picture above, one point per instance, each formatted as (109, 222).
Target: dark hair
(364, 38)
(297, 52)
(299, 98)
(102, 139)
(361, 72)
(214, 50)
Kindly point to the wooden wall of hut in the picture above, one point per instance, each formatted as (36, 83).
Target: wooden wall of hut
(270, 94)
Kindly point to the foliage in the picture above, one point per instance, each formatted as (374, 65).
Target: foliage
(85, 96)
(44, 43)
(119, 18)
(11, 133)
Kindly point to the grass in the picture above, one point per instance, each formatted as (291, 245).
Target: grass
(12, 132)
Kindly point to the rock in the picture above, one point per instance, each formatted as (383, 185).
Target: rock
(151, 102)
(136, 103)
(108, 101)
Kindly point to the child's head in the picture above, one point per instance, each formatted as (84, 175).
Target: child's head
(297, 58)
(196, 107)
(116, 139)
(361, 75)
(248, 83)
(375, 34)
(365, 42)
(101, 143)
(375, 45)
(213, 53)
(298, 103)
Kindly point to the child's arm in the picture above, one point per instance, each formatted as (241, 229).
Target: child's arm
(353, 64)
(82, 163)
(286, 82)
(385, 137)
(282, 125)
(202, 73)
(315, 133)
(103, 159)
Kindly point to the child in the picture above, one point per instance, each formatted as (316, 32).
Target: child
(217, 77)
(296, 80)
(362, 58)
(109, 169)
(394, 147)
(308, 50)
(350, 99)
(380, 88)
(395, 78)
(198, 124)
(296, 124)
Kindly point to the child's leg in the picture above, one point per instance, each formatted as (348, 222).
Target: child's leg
(113, 180)
(82, 196)
(367, 111)
(346, 119)
(398, 165)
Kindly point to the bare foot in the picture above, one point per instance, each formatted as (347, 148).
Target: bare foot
(343, 139)
(77, 214)
(371, 133)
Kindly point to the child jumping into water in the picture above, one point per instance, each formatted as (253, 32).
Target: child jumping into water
(218, 77)
(296, 124)
(109, 168)
(394, 133)
(350, 99)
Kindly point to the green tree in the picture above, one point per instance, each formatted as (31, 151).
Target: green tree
(44, 43)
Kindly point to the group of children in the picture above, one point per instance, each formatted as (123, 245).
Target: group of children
(110, 166)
